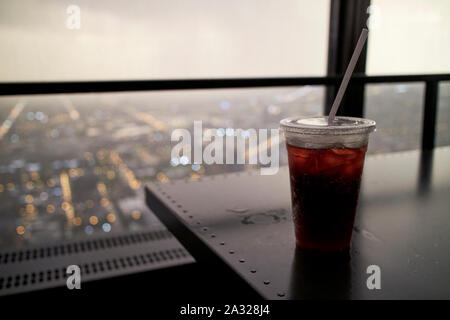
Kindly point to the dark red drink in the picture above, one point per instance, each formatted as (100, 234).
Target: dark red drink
(325, 163)
(324, 187)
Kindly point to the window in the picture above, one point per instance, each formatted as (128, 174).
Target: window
(69, 171)
(162, 39)
(443, 116)
(398, 110)
(409, 37)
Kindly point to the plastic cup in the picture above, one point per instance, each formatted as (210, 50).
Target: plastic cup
(325, 166)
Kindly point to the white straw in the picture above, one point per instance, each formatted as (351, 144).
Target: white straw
(348, 73)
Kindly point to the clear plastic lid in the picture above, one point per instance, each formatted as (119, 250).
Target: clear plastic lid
(319, 125)
(315, 133)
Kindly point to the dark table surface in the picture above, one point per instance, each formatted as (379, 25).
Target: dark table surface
(244, 219)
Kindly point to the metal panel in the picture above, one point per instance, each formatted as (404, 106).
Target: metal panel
(245, 220)
(34, 268)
